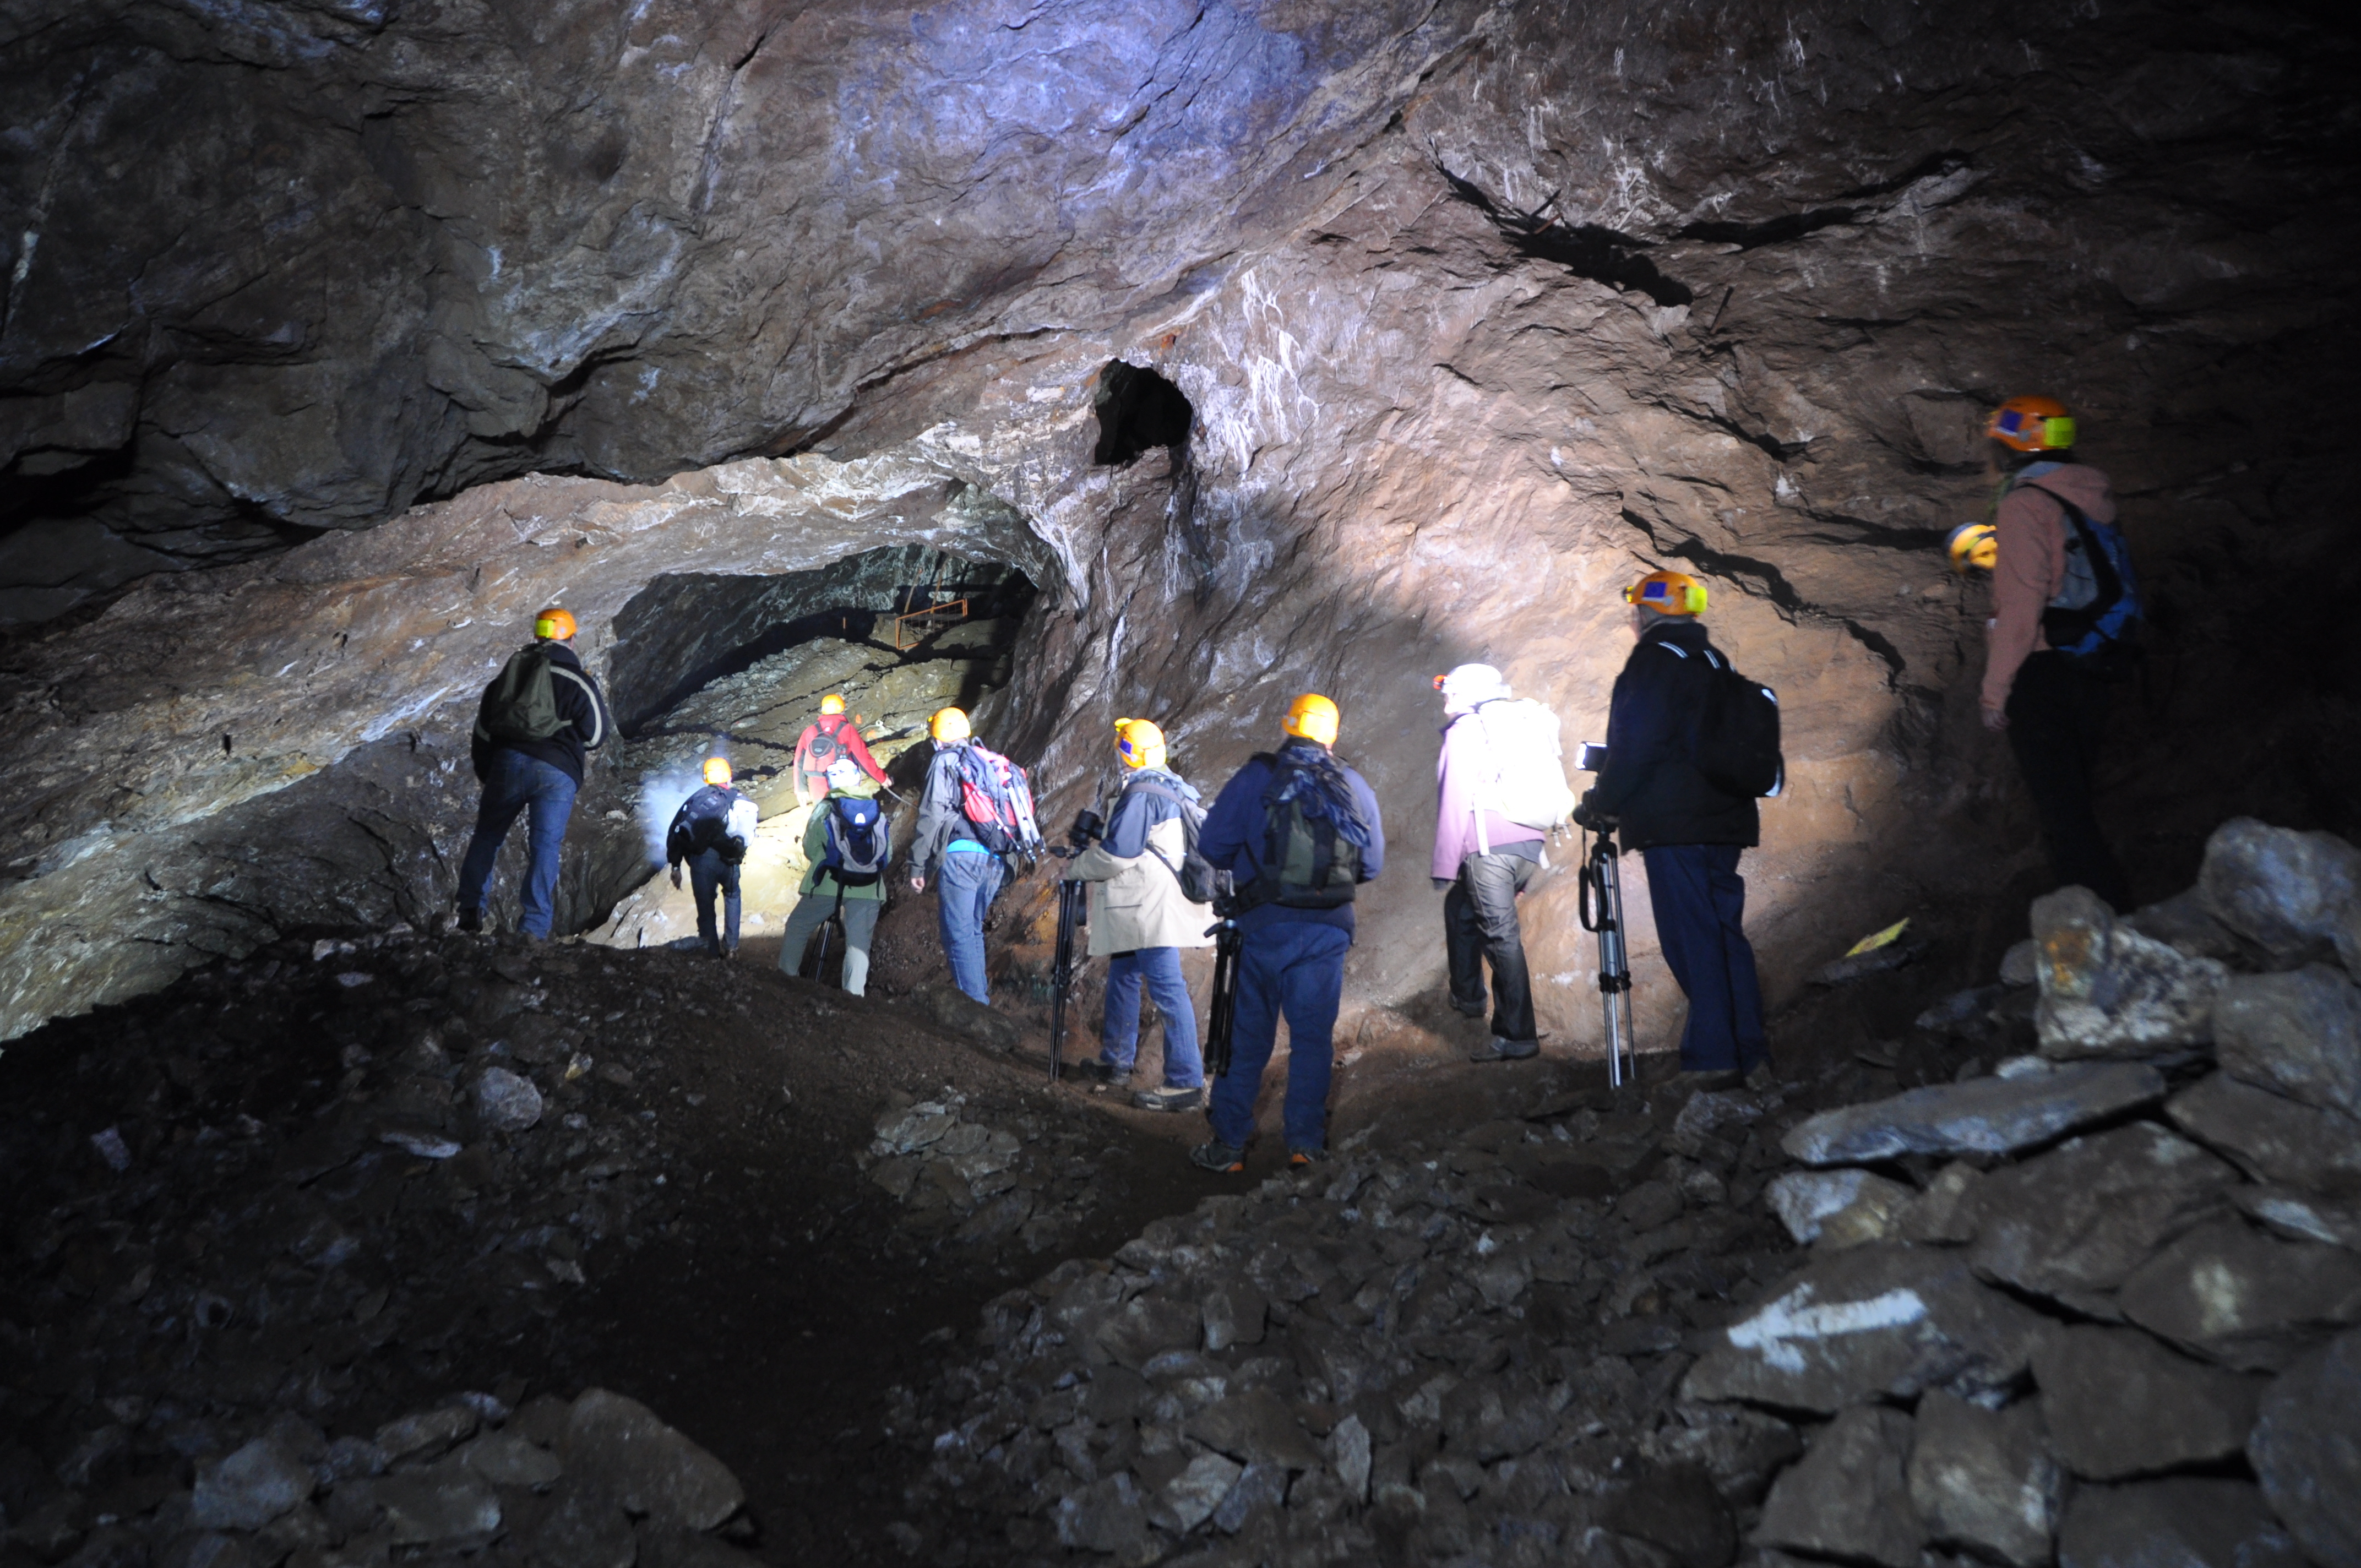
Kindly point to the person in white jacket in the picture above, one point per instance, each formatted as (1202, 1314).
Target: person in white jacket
(1140, 920)
(711, 834)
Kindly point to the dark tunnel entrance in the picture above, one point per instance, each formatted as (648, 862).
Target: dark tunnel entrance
(1138, 409)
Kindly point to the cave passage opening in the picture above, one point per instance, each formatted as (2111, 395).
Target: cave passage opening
(1137, 409)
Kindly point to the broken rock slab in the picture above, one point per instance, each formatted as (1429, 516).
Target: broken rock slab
(2239, 1296)
(1981, 1481)
(1874, 1322)
(2184, 1522)
(1837, 1209)
(2293, 895)
(2306, 1451)
(951, 1009)
(250, 1488)
(2184, 923)
(2299, 1216)
(1847, 1498)
(2120, 1404)
(2298, 1035)
(2106, 990)
(2270, 1137)
(1984, 1115)
(618, 1445)
(2071, 1222)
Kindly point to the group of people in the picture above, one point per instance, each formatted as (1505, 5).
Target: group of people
(1297, 831)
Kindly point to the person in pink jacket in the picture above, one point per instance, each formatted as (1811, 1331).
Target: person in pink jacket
(1482, 862)
(2051, 704)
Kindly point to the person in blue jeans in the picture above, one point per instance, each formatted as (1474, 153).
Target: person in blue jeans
(966, 875)
(1689, 832)
(537, 722)
(1298, 832)
(1140, 920)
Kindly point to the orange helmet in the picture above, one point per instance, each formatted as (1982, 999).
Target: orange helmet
(831, 703)
(554, 624)
(1667, 593)
(2032, 424)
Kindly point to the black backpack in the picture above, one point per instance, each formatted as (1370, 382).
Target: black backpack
(857, 841)
(1737, 745)
(703, 823)
(1306, 862)
(1199, 880)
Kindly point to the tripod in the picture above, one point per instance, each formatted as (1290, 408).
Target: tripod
(1071, 916)
(1601, 910)
(1221, 1015)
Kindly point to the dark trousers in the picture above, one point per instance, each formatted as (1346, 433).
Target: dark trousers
(2057, 712)
(1479, 923)
(1296, 971)
(514, 784)
(709, 871)
(1159, 970)
(1700, 903)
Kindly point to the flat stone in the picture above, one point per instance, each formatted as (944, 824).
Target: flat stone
(953, 1010)
(1715, 1115)
(1255, 1428)
(1847, 1496)
(1144, 1326)
(1497, 1416)
(1106, 1515)
(2118, 1404)
(2072, 1224)
(1873, 1321)
(2293, 895)
(619, 1445)
(2236, 1295)
(2184, 923)
(249, 1488)
(505, 1102)
(1233, 1313)
(506, 1459)
(1190, 1499)
(1981, 1481)
(1942, 1213)
(443, 1502)
(2106, 990)
(1983, 1115)
(2298, 1035)
(584, 1527)
(2306, 1451)
(2299, 1216)
(1349, 1457)
(426, 1433)
(2270, 1137)
(2184, 1522)
(1740, 1450)
(1260, 1488)
(1676, 1509)
(2021, 965)
(1837, 1208)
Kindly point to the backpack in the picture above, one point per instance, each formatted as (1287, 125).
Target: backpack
(1312, 837)
(857, 841)
(703, 823)
(1198, 878)
(2097, 610)
(1737, 745)
(825, 746)
(1528, 785)
(996, 801)
(521, 705)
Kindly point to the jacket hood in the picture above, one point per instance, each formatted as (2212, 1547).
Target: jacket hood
(2080, 483)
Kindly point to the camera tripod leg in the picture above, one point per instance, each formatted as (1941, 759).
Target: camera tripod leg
(1061, 969)
(1603, 912)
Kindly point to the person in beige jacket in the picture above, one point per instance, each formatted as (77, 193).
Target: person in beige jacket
(1140, 920)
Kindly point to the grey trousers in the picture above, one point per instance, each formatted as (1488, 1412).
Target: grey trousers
(860, 925)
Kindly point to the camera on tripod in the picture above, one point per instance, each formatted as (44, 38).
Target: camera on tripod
(1590, 757)
(1089, 828)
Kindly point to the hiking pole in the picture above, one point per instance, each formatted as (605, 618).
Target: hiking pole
(1222, 1013)
(1061, 969)
(1601, 910)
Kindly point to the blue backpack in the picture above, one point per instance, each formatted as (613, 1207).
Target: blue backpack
(857, 841)
(2097, 612)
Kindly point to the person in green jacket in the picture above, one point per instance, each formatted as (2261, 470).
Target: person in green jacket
(847, 842)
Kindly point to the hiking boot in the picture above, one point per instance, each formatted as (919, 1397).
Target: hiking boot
(1097, 1070)
(1498, 1049)
(471, 921)
(1227, 1158)
(1475, 1011)
(1298, 1159)
(1169, 1098)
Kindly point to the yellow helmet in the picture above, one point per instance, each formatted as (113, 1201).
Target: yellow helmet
(1973, 546)
(831, 703)
(1312, 718)
(554, 624)
(717, 770)
(949, 727)
(1667, 593)
(1140, 742)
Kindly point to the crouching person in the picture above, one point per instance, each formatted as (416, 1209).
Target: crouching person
(1140, 920)
(845, 842)
(711, 834)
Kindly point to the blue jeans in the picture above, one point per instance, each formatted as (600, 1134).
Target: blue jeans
(516, 782)
(964, 886)
(1297, 970)
(1119, 1036)
(1700, 903)
(709, 871)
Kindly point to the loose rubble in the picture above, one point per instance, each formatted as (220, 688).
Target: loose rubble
(961, 1180)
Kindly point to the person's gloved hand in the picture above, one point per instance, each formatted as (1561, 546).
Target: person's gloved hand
(1585, 810)
(675, 874)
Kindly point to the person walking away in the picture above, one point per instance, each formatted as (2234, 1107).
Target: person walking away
(1500, 764)
(1298, 832)
(711, 834)
(1689, 830)
(2065, 603)
(1140, 920)
(538, 720)
(832, 735)
(846, 844)
(976, 807)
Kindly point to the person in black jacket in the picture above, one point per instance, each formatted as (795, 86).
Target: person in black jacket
(1689, 833)
(529, 749)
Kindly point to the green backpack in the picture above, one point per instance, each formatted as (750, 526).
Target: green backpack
(521, 705)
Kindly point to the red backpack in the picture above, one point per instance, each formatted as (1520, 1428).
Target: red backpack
(997, 801)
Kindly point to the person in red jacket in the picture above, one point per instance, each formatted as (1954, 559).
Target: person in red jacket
(2051, 704)
(831, 735)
